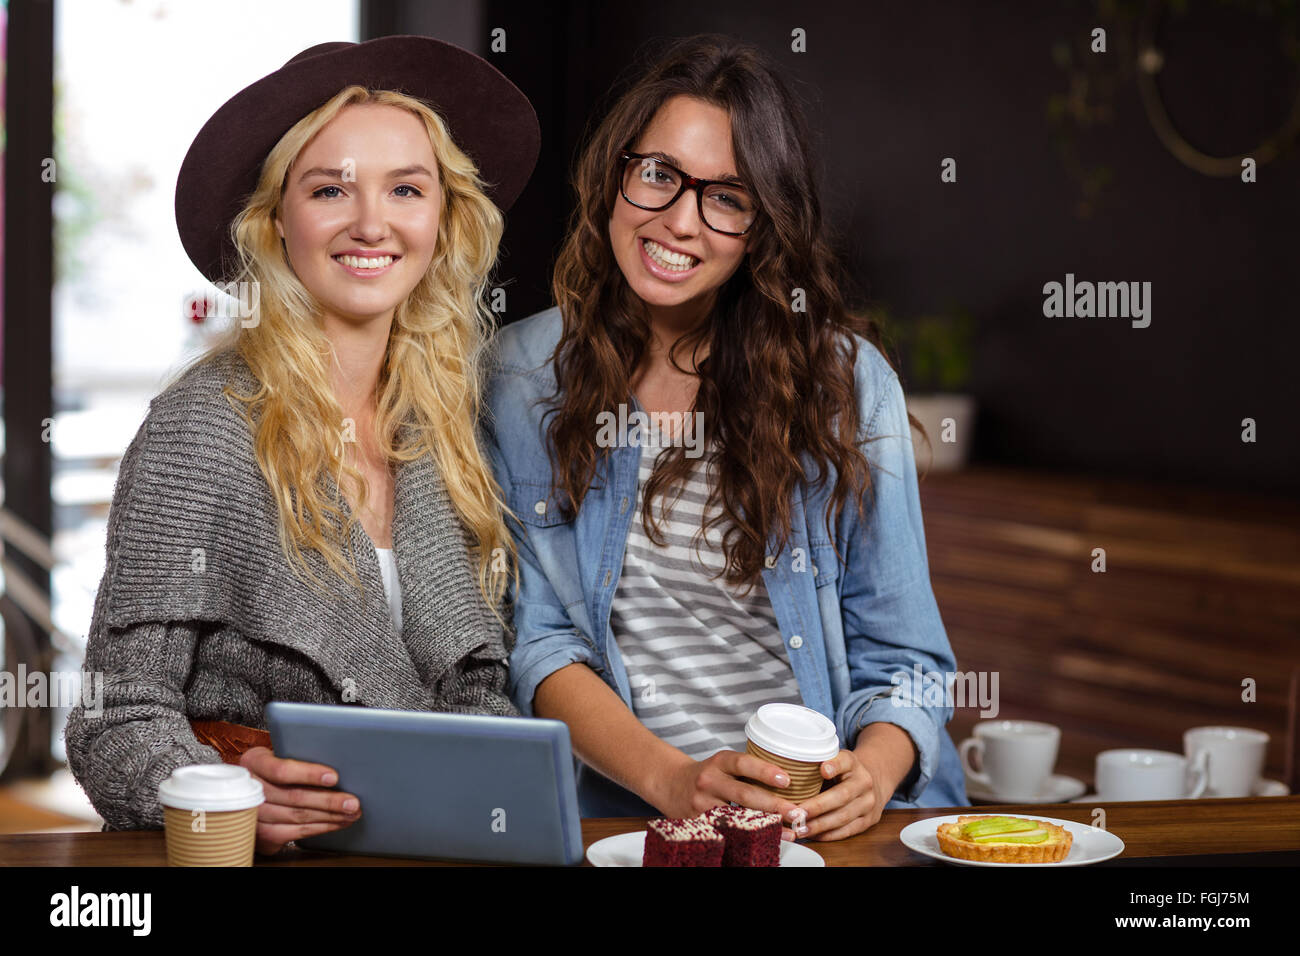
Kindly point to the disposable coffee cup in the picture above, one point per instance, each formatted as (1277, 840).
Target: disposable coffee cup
(796, 739)
(210, 815)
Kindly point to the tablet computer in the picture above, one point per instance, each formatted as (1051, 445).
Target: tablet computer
(441, 786)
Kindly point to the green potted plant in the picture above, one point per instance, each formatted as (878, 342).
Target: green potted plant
(936, 363)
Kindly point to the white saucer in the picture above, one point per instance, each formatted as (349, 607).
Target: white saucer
(1271, 788)
(628, 849)
(1265, 788)
(1090, 845)
(1058, 789)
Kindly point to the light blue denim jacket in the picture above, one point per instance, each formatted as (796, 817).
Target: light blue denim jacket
(848, 628)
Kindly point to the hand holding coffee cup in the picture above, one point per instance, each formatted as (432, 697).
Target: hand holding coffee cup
(1016, 757)
(1147, 775)
(797, 739)
(686, 786)
(1232, 758)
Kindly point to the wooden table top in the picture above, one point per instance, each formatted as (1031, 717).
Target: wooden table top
(1152, 829)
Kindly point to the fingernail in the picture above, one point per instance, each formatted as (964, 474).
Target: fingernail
(329, 779)
(350, 805)
(828, 769)
(801, 831)
(782, 780)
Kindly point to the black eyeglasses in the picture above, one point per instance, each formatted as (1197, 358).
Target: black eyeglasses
(650, 183)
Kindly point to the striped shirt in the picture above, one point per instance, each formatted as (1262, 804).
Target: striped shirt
(700, 658)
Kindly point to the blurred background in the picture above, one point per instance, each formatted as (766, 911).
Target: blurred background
(1172, 451)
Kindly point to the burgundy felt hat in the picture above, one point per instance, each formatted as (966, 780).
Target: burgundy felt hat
(486, 114)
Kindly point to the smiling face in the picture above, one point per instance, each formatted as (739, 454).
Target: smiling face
(652, 247)
(359, 214)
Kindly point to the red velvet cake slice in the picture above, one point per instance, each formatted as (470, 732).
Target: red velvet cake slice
(753, 837)
(690, 842)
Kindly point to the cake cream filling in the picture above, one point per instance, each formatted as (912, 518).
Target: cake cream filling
(742, 818)
(686, 830)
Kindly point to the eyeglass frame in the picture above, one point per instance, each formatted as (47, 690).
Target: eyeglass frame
(688, 182)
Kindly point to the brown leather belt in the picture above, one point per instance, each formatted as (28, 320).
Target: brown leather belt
(230, 740)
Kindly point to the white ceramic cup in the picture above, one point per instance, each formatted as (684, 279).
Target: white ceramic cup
(1233, 758)
(1016, 757)
(1147, 775)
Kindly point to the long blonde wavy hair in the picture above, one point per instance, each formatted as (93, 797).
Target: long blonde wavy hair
(429, 378)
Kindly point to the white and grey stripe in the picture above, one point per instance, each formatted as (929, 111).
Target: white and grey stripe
(700, 657)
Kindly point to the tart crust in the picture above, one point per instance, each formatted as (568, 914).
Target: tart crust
(1053, 850)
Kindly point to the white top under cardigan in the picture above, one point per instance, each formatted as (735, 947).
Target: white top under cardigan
(392, 586)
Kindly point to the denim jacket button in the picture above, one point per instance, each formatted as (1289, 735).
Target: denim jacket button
(770, 561)
(540, 507)
(796, 642)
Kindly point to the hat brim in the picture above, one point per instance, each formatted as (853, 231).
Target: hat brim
(486, 114)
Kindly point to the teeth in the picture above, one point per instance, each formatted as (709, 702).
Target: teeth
(363, 263)
(672, 261)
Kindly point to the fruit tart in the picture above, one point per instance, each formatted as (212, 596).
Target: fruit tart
(996, 839)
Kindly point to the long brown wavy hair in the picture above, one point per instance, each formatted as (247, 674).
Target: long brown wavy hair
(776, 383)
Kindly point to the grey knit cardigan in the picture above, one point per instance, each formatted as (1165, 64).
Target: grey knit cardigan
(199, 616)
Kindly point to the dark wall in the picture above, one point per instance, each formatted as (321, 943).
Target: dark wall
(892, 89)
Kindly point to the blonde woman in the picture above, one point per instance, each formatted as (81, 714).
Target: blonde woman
(306, 513)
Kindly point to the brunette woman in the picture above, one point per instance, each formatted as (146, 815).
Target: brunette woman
(765, 543)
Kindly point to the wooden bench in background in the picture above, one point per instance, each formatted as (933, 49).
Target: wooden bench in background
(1201, 591)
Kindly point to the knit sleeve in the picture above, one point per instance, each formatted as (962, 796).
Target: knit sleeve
(476, 684)
(133, 732)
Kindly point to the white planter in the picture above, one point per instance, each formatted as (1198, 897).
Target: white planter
(949, 421)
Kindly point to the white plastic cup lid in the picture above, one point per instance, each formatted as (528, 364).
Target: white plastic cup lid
(795, 732)
(214, 787)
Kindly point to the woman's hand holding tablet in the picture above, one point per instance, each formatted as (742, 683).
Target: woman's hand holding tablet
(298, 803)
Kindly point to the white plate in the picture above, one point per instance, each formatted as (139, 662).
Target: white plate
(628, 849)
(1271, 788)
(1265, 788)
(1090, 845)
(1058, 789)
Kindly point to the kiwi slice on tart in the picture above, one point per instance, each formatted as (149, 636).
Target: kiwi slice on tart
(1003, 839)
